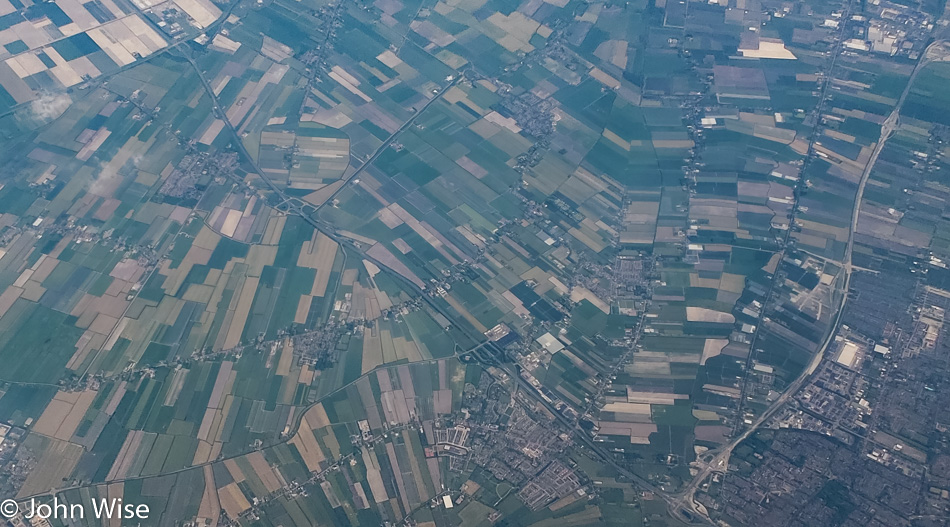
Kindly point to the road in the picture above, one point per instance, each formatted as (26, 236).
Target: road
(389, 140)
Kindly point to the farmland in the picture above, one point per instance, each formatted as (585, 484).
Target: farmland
(446, 263)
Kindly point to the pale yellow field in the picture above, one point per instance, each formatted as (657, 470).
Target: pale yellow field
(241, 312)
(457, 306)
(210, 508)
(234, 470)
(374, 477)
(372, 350)
(712, 348)
(519, 29)
(264, 471)
(406, 349)
(115, 491)
(303, 309)
(389, 351)
(319, 253)
(308, 447)
(202, 454)
(286, 358)
(233, 500)
(64, 414)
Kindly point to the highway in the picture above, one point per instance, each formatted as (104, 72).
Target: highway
(934, 52)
